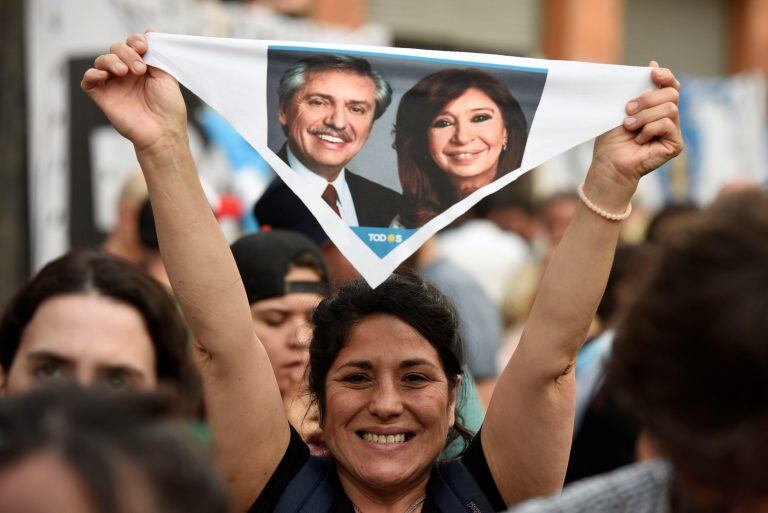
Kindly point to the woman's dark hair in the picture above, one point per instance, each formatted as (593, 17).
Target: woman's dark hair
(427, 190)
(691, 358)
(405, 296)
(117, 444)
(90, 272)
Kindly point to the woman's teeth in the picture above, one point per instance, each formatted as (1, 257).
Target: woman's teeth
(384, 439)
(463, 156)
(330, 138)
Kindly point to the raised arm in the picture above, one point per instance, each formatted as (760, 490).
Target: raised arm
(527, 431)
(245, 411)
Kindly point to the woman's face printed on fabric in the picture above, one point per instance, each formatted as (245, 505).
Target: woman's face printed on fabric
(466, 139)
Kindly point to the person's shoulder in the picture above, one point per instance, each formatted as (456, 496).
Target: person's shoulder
(638, 488)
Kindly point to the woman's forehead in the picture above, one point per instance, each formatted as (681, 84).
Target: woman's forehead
(385, 339)
(472, 98)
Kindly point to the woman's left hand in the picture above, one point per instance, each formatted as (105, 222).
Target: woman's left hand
(649, 136)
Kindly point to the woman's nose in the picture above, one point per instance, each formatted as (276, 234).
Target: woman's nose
(463, 133)
(386, 402)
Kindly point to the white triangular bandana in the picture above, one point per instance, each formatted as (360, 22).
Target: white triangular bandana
(408, 140)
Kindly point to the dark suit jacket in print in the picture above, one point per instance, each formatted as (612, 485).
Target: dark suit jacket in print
(375, 205)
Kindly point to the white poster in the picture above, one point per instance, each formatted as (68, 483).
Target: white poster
(386, 146)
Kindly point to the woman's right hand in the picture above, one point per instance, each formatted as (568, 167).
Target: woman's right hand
(143, 103)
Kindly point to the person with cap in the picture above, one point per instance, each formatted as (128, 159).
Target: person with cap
(285, 278)
(275, 211)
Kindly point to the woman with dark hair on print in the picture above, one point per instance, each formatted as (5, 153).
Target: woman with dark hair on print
(456, 131)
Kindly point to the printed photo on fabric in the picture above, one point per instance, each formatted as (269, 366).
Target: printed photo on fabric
(383, 147)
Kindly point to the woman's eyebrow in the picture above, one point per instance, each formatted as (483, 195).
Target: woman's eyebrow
(415, 362)
(358, 364)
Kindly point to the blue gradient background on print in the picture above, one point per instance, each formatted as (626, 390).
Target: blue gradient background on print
(377, 160)
(382, 240)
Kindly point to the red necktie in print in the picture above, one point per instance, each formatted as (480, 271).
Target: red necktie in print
(332, 198)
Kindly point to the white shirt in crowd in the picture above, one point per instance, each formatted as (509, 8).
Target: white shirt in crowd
(317, 185)
(492, 256)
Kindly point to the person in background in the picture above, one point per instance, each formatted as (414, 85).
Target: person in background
(95, 320)
(519, 291)
(556, 214)
(512, 209)
(666, 222)
(690, 362)
(285, 278)
(69, 450)
(605, 435)
(123, 241)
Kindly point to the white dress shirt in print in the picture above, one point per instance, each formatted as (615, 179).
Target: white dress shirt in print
(317, 185)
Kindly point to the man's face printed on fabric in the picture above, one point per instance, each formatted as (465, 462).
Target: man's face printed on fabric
(329, 119)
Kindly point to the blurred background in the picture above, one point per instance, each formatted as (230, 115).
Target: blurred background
(67, 180)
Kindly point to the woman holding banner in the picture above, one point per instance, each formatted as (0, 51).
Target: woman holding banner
(384, 369)
(456, 131)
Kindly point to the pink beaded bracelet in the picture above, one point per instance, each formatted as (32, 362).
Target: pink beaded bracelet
(599, 211)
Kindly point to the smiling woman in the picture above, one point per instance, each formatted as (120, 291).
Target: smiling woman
(385, 368)
(382, 365)
(456, 131)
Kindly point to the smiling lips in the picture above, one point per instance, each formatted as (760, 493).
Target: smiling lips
(332, 137)
(463, 156)
(397, 438)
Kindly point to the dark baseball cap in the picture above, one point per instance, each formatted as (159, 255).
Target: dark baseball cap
(264, 259)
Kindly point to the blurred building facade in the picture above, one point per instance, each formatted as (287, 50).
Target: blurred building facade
(696, 37)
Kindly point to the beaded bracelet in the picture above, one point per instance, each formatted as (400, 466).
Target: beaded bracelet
(599, 211)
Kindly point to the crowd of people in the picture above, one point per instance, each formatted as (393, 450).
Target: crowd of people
(263, 376)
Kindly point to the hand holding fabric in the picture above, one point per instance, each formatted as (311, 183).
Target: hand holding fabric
(649, 136)
(143, 103)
